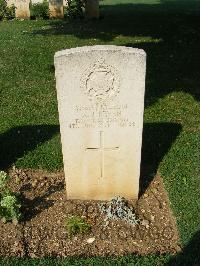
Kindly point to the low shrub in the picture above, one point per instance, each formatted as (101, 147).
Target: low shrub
(75, 9)
(40, 10)
(6, 12)
(76, 225)
(9, 202)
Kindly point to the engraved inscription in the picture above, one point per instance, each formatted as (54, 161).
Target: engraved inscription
(100, 82)
(95, 116)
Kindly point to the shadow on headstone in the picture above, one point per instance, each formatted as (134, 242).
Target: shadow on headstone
(19, 140)
(157, 141)
(56, 9)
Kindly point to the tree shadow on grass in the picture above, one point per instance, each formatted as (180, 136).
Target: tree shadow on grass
(168, 32)
(157, 141)
(189, 256)
(17, 141)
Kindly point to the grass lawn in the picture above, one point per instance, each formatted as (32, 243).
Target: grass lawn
(168, 30)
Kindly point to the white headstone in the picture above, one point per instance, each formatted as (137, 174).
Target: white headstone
(100, 91)
(22, 9)
(36, 1)
(65, 2)
(56, 9)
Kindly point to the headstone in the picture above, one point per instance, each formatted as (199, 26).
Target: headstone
(36, 1)
(22, 9)
(56, 9)
(100, 91)
(65, 2)
(92, 9)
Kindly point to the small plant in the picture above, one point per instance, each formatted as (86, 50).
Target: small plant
(75, 9)
(9, 203)
(40, 10)
(6, 12)
(118, 208)
(76, 225)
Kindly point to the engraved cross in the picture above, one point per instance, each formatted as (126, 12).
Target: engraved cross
(102, 149)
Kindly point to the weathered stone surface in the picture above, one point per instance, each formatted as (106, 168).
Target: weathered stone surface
(65, 2)
(22, 8)
(56, 9)
(92, 9)
(100, 92)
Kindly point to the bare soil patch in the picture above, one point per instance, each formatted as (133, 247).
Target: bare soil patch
(42, 232)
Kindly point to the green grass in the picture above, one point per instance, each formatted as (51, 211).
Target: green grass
(126, 260)
(29, 134)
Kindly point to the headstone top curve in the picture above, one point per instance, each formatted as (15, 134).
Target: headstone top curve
(99, 48)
